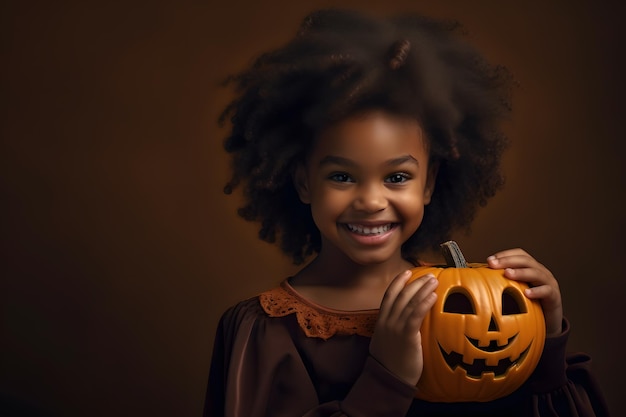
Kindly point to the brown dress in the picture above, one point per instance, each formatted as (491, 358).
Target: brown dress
(279, 354)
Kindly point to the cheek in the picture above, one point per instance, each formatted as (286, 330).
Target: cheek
(327, 206)
(411, 207)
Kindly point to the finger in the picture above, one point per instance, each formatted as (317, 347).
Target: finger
(519, 260)
(396, 286)
(532, 276)
(420, 303)
(546, 293)
(407, 294)
(539, 292)
(414, 321)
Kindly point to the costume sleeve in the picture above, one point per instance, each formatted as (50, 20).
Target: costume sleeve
(256, 371)
(563, 385)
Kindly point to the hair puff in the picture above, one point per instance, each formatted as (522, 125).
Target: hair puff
(341, 62)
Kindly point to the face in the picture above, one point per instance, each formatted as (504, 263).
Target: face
(367, 180)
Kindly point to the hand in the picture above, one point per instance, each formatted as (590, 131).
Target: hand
(396, 342)
(518, 265)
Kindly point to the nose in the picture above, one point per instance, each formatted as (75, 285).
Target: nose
(370, 198)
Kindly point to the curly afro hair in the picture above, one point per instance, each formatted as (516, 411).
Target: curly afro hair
(343, 62)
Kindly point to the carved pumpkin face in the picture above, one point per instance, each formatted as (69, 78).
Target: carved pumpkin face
(482, 339)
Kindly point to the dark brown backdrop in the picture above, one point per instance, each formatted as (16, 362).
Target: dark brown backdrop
(119, 251)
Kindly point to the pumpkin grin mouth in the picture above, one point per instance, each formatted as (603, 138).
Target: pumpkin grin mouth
(493, 345)
(478, 367)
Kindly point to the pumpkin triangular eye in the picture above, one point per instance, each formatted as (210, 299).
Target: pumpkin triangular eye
(512, 302)
(458, 302)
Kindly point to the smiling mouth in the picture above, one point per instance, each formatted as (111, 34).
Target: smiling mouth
(369, 230)
(493, 345)
(478, 367)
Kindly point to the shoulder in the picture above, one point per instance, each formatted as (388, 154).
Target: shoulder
(251, 311)
(244, 311)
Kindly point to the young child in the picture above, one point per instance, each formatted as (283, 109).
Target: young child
(360, 144)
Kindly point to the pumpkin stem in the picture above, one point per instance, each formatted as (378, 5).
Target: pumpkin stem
(453, 255)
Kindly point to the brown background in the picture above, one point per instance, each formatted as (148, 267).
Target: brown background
(119, 251)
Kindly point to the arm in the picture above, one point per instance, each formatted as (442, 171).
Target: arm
(257, 371)
(561, 385)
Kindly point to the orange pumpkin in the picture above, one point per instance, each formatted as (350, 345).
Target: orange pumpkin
(482, 339)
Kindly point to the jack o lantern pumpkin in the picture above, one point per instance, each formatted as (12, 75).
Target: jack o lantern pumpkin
(483, 338)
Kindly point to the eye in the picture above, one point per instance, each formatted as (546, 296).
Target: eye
(397, 178)
(458, 302)
(340, 177)
(512, 302)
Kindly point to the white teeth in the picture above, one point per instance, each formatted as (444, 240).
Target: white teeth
(363, 230)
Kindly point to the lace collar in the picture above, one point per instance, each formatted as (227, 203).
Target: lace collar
(316, 320)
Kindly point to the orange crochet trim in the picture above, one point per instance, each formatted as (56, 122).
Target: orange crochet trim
(315, 320)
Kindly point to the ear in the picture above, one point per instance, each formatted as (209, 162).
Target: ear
(431, 179)
(301, 182)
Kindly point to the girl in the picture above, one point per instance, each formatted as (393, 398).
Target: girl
(363, 143)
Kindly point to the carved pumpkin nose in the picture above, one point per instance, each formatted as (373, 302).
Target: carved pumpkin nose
(493, 327)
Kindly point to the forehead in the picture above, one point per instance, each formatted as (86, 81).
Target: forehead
(371, 135)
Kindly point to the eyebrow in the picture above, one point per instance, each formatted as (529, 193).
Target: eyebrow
(340, 160)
